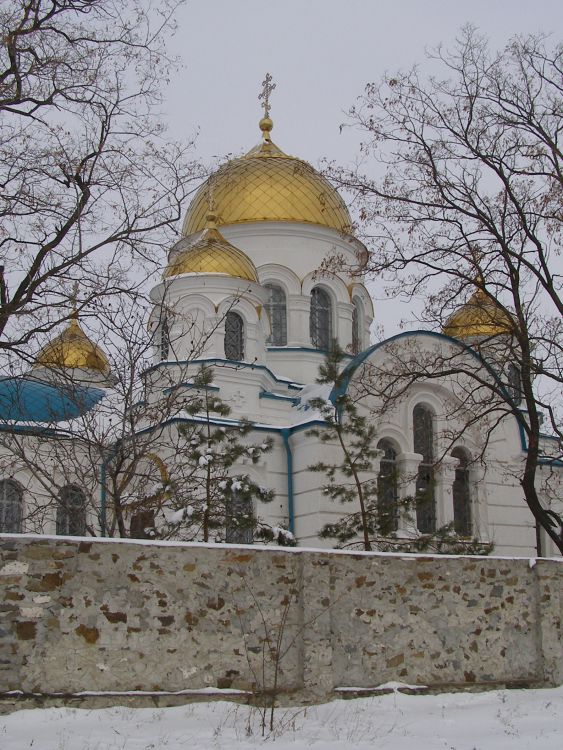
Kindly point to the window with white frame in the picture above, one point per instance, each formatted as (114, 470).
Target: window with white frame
(234, 336)
(71, 511)
(239, 520)
(11, 506)
(461, 491)
(423, 438)
(357, 323)
(320, 320)
(276, 308)
(514, 384)
(387, 490)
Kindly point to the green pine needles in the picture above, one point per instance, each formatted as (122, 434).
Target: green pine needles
(357, 481)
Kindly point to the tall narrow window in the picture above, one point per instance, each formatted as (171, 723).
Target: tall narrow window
(320, 321)
(356, 326)
(462, 494)
(11, 505)
(239, 520)
(71, 511)
(514, 384)
(234, 336)
(277, 312)
(164, 338)
(142, 525)
(387, 510)
(423, 429)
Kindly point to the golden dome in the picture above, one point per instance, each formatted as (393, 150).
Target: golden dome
(479, 316)
(268, 185)
(213, 254)
(73, 349)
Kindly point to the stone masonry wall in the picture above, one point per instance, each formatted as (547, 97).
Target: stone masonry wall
(80, 615)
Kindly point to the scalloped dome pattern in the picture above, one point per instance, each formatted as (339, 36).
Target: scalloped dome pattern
(212, 253)
(268, 185)
(73, 349)
(479, 316)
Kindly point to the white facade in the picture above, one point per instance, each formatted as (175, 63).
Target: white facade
(267, 383)
(263, 384)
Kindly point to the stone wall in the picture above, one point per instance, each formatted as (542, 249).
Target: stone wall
(93, 615)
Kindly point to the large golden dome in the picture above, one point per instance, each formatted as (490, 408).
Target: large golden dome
(73, 349)
(268, 185)
(212, 254)
(480, 316)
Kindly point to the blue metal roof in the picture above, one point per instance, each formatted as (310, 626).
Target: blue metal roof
(25, 399)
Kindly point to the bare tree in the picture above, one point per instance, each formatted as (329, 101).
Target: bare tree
(469, 208)
(89, 187)
(155, 457)
(117, 453)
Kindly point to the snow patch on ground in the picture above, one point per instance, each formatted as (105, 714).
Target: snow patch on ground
(384, 686)
(496, 720)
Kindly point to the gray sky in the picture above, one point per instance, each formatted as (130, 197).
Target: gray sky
(321, 54)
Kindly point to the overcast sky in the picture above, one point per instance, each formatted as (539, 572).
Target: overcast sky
(321, 53)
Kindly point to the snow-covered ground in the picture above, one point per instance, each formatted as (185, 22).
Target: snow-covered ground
(498, 720)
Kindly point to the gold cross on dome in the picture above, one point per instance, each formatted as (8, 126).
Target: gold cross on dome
(73, 299)
(211, 194)
(267, 88)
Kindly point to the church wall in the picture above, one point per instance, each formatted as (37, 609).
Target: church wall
(119, 616)
(300, 247)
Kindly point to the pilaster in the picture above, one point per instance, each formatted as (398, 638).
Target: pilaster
(445, 475)
(407, 465)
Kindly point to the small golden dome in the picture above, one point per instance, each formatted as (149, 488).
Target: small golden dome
(479, 316)
(73, 349)
(213, 254)
(268, 185)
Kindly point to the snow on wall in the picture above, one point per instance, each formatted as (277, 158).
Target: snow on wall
(80, 615)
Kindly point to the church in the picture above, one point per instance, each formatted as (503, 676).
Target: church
(248, 282)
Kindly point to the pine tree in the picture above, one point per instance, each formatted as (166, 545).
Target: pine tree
(218, 505)
(353, 479)
(356, 480)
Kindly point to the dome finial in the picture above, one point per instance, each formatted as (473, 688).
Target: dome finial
(266, 123)
(211, 217)
(73, 298)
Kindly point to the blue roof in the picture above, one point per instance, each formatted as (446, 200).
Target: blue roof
(25, 399)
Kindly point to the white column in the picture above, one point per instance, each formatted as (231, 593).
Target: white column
(478, 495)
(343, 324)
(407, 465)
(445, 475)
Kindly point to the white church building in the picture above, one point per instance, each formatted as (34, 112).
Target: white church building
(246, 274)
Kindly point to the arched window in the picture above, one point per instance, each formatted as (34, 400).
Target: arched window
(277, 312)
(320, 320)
(164, 343)
(71, 511)
(387, 510)
(514, 385)
(357, 319)
(423, 433)
(11, 506)
(462, 494)
(234, 336)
